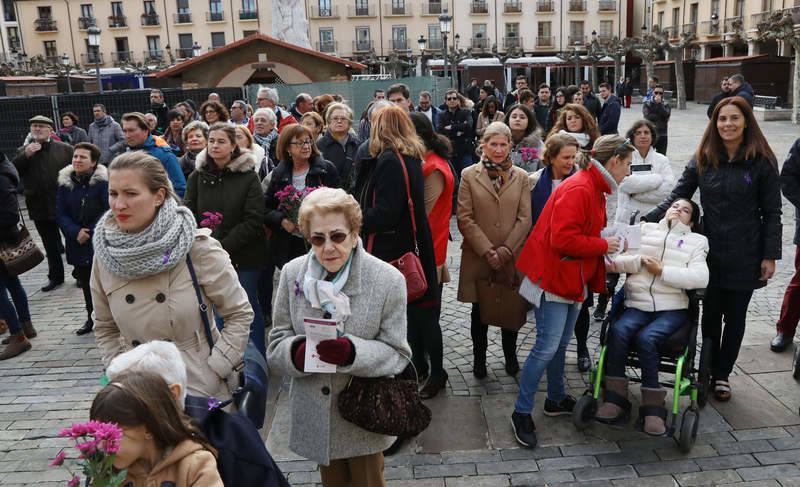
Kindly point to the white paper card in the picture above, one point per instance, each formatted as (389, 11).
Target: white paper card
(318, 330)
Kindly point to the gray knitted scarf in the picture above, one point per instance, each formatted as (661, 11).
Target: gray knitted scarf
(157, 248)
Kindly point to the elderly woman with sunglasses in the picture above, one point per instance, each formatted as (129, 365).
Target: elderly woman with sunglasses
(366, 298)
(302, 167)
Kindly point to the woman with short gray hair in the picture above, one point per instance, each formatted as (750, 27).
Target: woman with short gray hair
(337, 144)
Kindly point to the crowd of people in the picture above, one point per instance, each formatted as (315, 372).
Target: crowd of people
(183, 206)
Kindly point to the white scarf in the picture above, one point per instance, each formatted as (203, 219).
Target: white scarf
(328, 295)
(582, 138)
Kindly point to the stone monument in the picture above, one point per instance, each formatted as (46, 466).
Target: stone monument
(289, 22)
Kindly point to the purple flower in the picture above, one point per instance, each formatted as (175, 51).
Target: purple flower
(166, 257)
(747, 177)
(74, 482)
(296, 288)
(212, 404)
(59, 459)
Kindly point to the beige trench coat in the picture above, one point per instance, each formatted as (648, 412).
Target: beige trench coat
(164, 307)
(488, 220)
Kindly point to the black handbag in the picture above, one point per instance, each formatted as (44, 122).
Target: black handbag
(251, 395)
(385, 405)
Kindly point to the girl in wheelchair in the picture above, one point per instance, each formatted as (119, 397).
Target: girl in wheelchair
(671, 260)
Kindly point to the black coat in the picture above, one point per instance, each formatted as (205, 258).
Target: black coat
(9, 211)
(82, 200)
(715, 101)
(659, 114)
(344, 158)
(591, 103)
(40, 176)
(389, 218)
(628, 90)
(460, 132)
(320, 173)
(745, 91)
(790, 184)
(741, 202)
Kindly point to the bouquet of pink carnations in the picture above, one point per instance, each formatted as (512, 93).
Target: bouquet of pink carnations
(290, 198)
(211, 220)
(98, 444)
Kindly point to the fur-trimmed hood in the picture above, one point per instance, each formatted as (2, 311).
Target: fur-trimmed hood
(65, 176)
(245, 162)
(533, 139)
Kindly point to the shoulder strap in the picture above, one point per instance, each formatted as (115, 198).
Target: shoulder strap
(203, 307)
(371, 239)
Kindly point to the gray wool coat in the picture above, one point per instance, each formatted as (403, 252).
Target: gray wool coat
(377, 330)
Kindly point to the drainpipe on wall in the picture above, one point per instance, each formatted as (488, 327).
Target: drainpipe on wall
(166, 24)
(71, 37)
(233, 27)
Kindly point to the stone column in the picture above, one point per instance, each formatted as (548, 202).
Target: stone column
(752, 47)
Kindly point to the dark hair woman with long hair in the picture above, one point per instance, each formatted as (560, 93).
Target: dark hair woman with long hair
(439, 186)
(737, 175)
(526, 136)
(559, 102)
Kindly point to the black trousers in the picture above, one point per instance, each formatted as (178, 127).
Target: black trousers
(582, 323)
(51, 239)
(83, 273)
(661, 144)
(480, 342)
(729, 305)
(425, 337)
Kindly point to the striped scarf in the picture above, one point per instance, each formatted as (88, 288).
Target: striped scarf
(498, 173)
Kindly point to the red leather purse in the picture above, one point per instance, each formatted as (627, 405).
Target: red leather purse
(408, 264)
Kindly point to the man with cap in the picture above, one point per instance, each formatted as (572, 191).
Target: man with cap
(38, 162)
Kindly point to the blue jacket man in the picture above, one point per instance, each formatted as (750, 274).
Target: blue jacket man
(609, 114)
(138, 137)
(432, 112)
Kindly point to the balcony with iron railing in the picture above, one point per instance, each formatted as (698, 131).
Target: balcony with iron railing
(512, 7)
(215, 16)
(182, 18)
(247, 14)
(545, 6)
(431, 8)
(398, 44)
(577, 5)
(121, 57)
(53, 59)
(479, 8)
(45, 25)
(607, 6)
(672, 32)
(690, 28)
(324, 13)
(86, 22)
(150, 20)
(362, 46)
(361, 10)
(710, 27)
(153, 55)
(92, 58)
(184, 53)
(731, 24)
(545, 41)
(512, 42)
(794, 12)
(434, 43)
(117, 21)
(328, 47)
(395, 9)
(480, 43)
(572, 39)
(604, 37)
(758, 18)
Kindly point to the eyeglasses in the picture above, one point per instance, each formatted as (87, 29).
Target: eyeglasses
(339, 119)
(451, 98)
(335, 237)
(302, 144)
(627, 141)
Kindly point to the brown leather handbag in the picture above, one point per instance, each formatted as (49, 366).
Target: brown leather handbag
(500, 302)
(408, 264)
(385, 405)
(24, 255)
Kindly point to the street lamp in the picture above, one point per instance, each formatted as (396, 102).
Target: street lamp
(577, 62)
(422, 42)
(445, 21)
(65, 62)
(94, 42)
(196, 49)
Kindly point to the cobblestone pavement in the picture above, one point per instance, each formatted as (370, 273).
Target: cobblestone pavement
(752, 440)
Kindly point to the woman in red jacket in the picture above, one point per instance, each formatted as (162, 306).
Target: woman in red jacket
(563, 262)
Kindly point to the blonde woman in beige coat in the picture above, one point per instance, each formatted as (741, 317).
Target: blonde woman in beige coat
(494, 216)
(142, 287)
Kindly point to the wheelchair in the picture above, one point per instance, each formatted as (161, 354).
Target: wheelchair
(677, 357)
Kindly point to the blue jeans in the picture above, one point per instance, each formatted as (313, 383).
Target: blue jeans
(249, 281)
(555, 323)
(655, 328)
(16, 313)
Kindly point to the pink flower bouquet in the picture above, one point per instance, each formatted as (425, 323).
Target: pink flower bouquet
(98, 444)
(211, 220)
(290, 199)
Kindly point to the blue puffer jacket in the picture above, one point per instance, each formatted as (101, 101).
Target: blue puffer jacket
(81, 201)
(164, 154)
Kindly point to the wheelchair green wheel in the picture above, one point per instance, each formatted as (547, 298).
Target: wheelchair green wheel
(584, 412)
(796, 363)
(704, 380)
(688, 433)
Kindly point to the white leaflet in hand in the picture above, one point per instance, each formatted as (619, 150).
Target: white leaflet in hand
(318, 330)
(633, 234)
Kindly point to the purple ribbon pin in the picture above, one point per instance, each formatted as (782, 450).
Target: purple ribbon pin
(680, 242)
(747, 177)
(296, 288)
(212, 404)
(166, 257)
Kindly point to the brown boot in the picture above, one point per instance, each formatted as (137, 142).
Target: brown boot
(616, 409)
(17, 345)
(652, 414)
(27, 329)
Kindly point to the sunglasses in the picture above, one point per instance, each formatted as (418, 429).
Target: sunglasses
(658, 92)
(335, 237)
(627, 141)
(451, 98)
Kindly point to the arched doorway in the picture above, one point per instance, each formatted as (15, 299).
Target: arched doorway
(264, 76)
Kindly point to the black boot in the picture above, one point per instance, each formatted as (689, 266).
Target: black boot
(510, 351)
(86, 328)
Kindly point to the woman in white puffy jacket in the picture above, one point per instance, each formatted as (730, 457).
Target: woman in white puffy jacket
(651, 178)
(671, 260)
